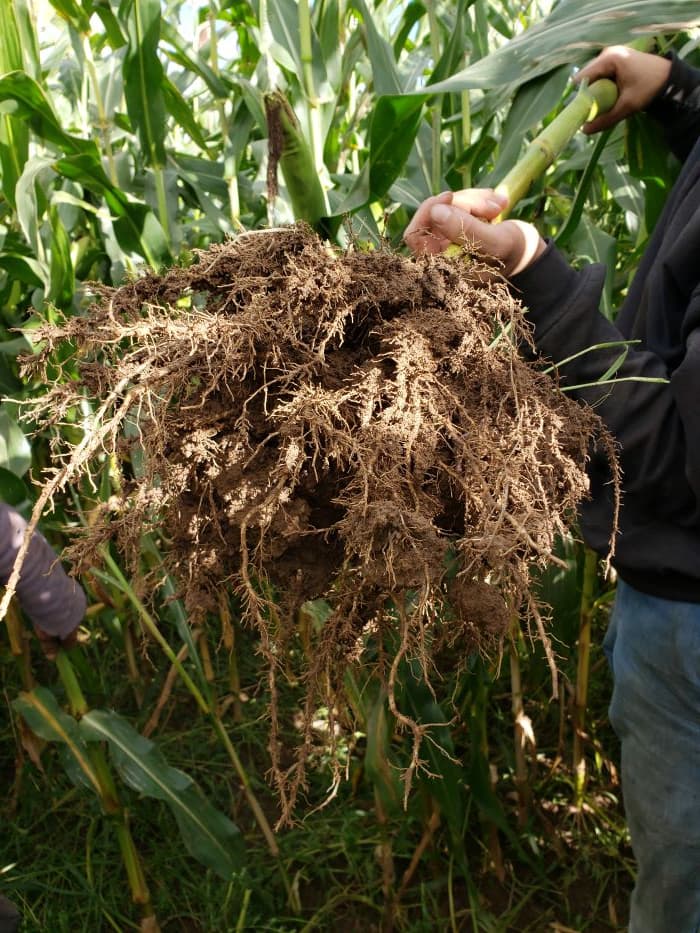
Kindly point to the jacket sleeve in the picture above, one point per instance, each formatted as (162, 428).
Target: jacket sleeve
(49, 597)
(657, 423)
(677, 107)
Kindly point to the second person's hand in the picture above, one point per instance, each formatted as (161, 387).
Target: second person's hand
(463, 217)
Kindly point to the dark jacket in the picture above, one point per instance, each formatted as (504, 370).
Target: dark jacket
(657, 549)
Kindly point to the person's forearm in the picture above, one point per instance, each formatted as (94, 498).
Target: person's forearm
(50, 598)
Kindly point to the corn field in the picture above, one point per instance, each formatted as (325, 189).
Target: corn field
(139, 771)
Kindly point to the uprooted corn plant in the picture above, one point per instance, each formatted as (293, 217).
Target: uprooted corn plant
(357, 427)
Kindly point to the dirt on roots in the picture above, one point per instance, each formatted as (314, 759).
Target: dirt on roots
(355, 427)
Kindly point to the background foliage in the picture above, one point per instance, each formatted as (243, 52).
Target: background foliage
(131, 135)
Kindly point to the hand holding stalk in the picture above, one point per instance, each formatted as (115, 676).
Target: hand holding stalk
(466, 217)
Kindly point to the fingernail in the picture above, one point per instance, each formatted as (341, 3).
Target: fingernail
(440, 213)
(497, 205)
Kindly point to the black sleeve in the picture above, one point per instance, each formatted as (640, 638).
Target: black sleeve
(50, 598)
(677, 107)
(657, 424)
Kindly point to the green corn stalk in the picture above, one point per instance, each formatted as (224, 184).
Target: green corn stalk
(206, 704)
(289, 150)
(590, 571)
(99, 772)
(590, 100)
(521, 727)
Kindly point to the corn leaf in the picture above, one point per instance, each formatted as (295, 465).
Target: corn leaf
(180, 111)
(113, 32)
(192, 61)
(571, 33)
(23, 268)
(143, 77)
(381, 767)
(43, 715)
(73, 13)
(62, 281)
(395, 122)
(12, 489)
(15, 452)
(135, 225)
(385, 74)
(31, 104)
(446, 780)
(14, 134)
(208, 834)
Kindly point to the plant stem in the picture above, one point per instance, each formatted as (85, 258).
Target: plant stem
(103, 125)
(19, 644)
(599, 97)
(230, 166)
(519, 732)
(590, 568)
(109, 797)
(253, 802)
(466, 124)
(436, 109)
(76, 700)
(159, 176)
(153, 630)
(314, 115)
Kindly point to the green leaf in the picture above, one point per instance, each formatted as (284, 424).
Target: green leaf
(651, 162)
(208, 834)
(592, 244)
(192, 62)
(12, 489)
(136, 227)
(447, 787)
(23, 268)
(180, 111)
(31, 104)
(31, 203)
(573, 218)
(15, 451)
(14, 134)
(113, 32)
(385, 74)
(381, 767)
(393, 129)
(62, 280)
(43, 715)
(72, 13)
(455, 47)
(571, 33)
(143, 76)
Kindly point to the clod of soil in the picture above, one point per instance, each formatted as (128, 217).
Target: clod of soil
(300, 424)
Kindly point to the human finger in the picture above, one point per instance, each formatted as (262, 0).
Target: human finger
(457, 225)
(419, 236)
(485, 203)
